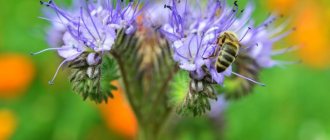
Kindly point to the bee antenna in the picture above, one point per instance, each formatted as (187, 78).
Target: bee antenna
(249, 79)
(249, 28)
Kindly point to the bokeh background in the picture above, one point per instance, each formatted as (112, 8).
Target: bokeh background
(295, 105)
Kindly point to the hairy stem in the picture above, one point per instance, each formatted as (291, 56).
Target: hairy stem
(126, 84)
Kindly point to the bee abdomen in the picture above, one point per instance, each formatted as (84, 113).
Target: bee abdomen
(225, 59)
(233, 51)
(229, 48)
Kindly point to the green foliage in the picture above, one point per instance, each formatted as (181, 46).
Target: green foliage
(179, 87)
(294, 105)
(109, 73)
(195, 104)
(190, 97)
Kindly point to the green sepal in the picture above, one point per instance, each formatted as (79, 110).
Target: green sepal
(188, 100)
(93, 81)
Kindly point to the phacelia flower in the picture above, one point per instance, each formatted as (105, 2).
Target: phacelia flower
(155, 15)
(86, 33)
(195, 30)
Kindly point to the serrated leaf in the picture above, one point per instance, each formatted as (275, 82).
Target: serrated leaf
(93, 81)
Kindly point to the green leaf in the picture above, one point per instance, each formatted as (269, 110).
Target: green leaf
(179, 87)
(109, 73)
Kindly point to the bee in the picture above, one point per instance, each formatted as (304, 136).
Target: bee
(227, 50)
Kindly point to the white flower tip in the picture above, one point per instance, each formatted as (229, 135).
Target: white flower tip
(51, 82)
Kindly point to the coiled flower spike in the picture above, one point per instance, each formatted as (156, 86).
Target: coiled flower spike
(86, 35)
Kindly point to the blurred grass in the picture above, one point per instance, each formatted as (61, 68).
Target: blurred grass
(294, 105)
(294, 98)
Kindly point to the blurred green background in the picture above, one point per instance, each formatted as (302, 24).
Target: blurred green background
(293, 106)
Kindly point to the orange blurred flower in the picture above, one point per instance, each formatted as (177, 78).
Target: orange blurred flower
(8, 124)
(16, 72)
(119, 115)
(312, 35)
(312, 29)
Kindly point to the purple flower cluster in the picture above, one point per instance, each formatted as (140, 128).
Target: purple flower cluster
(194, 28)
(91, 27)
(191, 30)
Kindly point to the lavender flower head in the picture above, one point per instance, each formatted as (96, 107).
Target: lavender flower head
(90, 29)
(194, 29)
(154, 15)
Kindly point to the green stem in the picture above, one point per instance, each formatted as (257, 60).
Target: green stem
(162, 93)
(148, 131)
(126, 84)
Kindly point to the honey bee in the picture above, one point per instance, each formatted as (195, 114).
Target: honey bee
(227, 50)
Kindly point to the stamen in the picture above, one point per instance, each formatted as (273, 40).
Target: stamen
(167, 6)
(284, 63)
(199, 44)
(249, 28)
(177, 52)
(45, 3)
(135, 10)
(79, 29)
(82, 18)
(189, 49)
(213, 49)
(51, 82)
(50, 20)
(283, 51)
(90, 16)
(234, 18)
(57, 10)
(235, 3)
(283, 35)
(48, 49)
(269, 22)
(256, 45)
(118, 6)
(249, 79)
(280, 28)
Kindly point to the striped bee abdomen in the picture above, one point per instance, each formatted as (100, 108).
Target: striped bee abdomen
(226, 56)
